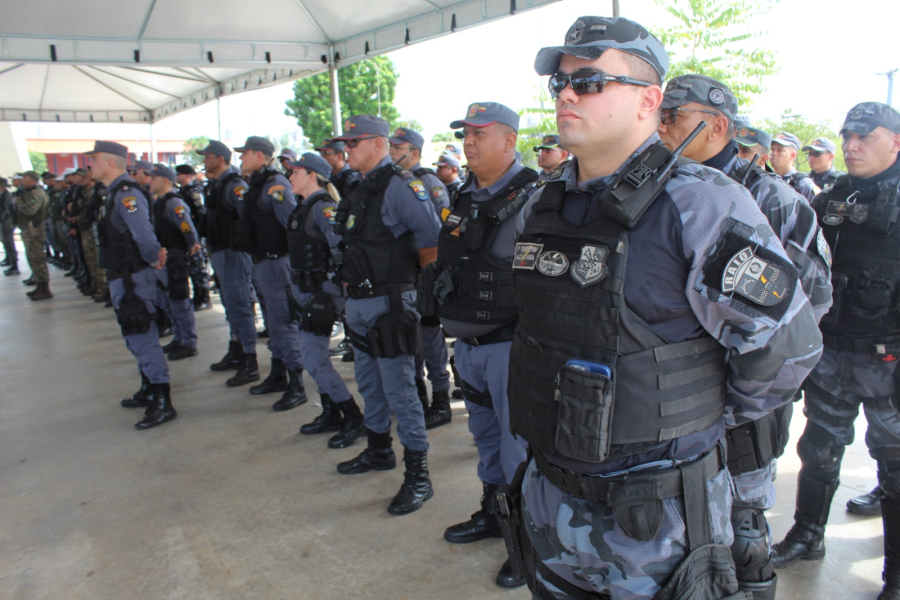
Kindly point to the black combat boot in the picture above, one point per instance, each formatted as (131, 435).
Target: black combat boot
(890, 509)
(29, 281)
(439, 412)
(233, 359)
(248, 373)
(294, 395)
(416, 488)
(481, 526)
(352, 425)
(13, 270)
(141, 398)
(160, 409)
(182, 352)
(806, 537)
(6, 262)
(173, 345)
(378, 456)
(277, 381)
(422, 390)
(329, 420)
(866, 505)
(164, 324)
(506, 578)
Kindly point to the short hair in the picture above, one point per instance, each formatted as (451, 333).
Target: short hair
(638, 68)
(119, 161)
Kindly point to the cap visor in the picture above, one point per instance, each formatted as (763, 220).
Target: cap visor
(671, 101)
(815, 148)
(547, 60)
(397, 141)
(471, 123)
(344, 138)
(241, 149)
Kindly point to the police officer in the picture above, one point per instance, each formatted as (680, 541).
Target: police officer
(68, 212)
(52, 252)
(820, 156)
(752, 447)
(191, 191)
(317, 300)
(656, 306)
(447, 170)
(753, 143)
(176, 233)
(8, 228)
(225, 191)
(389, 230)
(550, 155)
(31, 217)
(140, 172)
(61, 187)
(284, 157)
(478, 238)
(783, 156)
(406, 152)
(342, 176)
(131, 255)
(862, 340)
(267, 205)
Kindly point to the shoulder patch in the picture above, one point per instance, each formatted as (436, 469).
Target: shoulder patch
(179, 212)
(239, 191)
(275, 188)
(130, 204)
(185, 228)
(445, 212)
(277, 196)
(330, 214)
(418, 188)
(438, 192)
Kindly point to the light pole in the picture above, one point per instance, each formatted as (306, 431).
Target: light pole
(890, 76)
(377, 84)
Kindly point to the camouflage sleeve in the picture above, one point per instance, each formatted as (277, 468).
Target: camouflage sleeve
(745, 292)
(29, 203)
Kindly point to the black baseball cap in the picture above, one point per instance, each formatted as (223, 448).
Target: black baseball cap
(107, 147)
(255, 142)
(549, 141)
(185, 170)
(865, 117)
(218, 148)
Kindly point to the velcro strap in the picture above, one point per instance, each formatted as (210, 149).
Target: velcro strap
(360, 342)
(696, 501)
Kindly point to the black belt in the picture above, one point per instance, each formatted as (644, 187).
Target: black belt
(876, 345)
(596, 489)
(359, 292)
(261, 256)
(504, 334)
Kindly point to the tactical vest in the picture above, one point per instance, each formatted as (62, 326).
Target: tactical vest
(344, 182)
(482, 282)
(422, 171)
(220, 219)
(310, 253)
(569, 283)
(186, 194)
(118, 252)
(267, 236)
(168, 233)
(372, 256)
(794, 179)
(865, 243)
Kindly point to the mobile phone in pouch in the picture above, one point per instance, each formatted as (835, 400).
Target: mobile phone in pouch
(591, 367)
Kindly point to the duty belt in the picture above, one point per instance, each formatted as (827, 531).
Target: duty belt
(876, 345)
(358, 292)
(504, 334)
(261, 256)
(597, 489)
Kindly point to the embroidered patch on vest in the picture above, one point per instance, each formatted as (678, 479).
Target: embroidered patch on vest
(526, 256)
(330, 214)
(591, 267)
(553, 263)
(418, 187)
(754, 279)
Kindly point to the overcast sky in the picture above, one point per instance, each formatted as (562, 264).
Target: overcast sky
(828, 53)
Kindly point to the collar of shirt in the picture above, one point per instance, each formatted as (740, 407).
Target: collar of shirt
(314, 197)
(570, 172)
(122, 177)
(384, 161)
(484, 194)
(874, 183)
(723, 159)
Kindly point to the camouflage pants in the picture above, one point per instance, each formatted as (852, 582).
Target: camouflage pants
(92, 258)
(33, 239)
(581, 541)
(7, 233)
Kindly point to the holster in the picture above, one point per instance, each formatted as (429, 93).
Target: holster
(133, 315)
(475, 396)
(179, 276)
(319, 314)
(508, 510)
(754, 445)
(395, 334)
(425, 291)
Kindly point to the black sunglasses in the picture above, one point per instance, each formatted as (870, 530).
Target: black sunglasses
(354, 143)
(814, 153)
(588, 82)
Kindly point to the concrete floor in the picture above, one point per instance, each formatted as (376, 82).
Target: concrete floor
(229, 501)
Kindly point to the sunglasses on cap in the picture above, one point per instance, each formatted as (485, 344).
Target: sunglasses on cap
(588, 82)
(355, 143)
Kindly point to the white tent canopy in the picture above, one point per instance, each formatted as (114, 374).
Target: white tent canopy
(145, 60)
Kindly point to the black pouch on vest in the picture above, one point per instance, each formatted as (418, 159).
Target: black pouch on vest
(872, 297)
(474, 234)
(638, 507)
(320, 313)
(838, 285)
(133, 316)
(396, 334)
(179, 275)
(585, 414)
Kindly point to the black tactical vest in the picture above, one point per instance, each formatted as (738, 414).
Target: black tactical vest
(310, 253)
(372, 256)
(794, 179)
(865, 244)
(569, 283)
(118, 253)
(483, 282)
(346, 182)
(267, 235)
(220, 219)
(169, 234)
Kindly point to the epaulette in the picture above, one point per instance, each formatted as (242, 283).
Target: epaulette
(398, 170)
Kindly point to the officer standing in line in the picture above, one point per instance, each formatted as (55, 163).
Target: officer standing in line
(131, 255)
(31, 217)
(176, 233)
(454, 149)
(448, 172)
(550, 155)
(224, 205)
(820, 156)
(656, 306)
(47, 181)
(61, 185)
(783, 156)
(753, 142)
(406, 152)
(73, 190)
(752, 447)
(862, 340)
(342, 176)
(8, 228)
(267, 205)
(191, 191)
(317, 300)
(284, 157)
(478, 237)
(92, 200)
(389, 229)
(140, 172)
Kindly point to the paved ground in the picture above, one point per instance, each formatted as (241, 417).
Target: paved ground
(230, 502)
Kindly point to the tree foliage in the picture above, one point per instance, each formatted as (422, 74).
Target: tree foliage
(443, 137)
(534, 123)
(191, 145)
(366, 87)
(38, 161)
(712, 38)
(806, 131)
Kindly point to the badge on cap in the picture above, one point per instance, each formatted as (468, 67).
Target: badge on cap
(856, 113)
(348, 124)
(419, 188)
(716, 96)
(526, 256)
(742, 132)
(553, 263)
(590, 268)
(575, 33)
(474, 109)
(754, 279)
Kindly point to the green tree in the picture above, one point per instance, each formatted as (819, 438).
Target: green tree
(711, 37)
(191, 145)
(806, 131)
(534, 123)
(38, 161)
(443, 137)
(366, 87)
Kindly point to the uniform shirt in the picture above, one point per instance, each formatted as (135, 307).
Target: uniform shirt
(234, 190)
(178, 213)
(665, 287)
(132, 213)
(322, 212)
(436, 189)
(403, 210)
(804, 185)
(29, 204)
(825, 179)
(277, 197)
(504, 244)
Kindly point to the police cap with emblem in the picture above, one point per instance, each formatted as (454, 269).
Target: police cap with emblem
(287, 154)
(141, 165)
(787, 139)
(163, 171)
(260, 144)
(331, 145)
(312, 162)
(589, 37)
(751, 136)
(702, 90)
(404, 135)
(482, 114)
(185, 170)
(359, 126)
(821, 144)
(108, 148)
(447, 160)
(549, 141)
(218, 148)
(866, 116)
